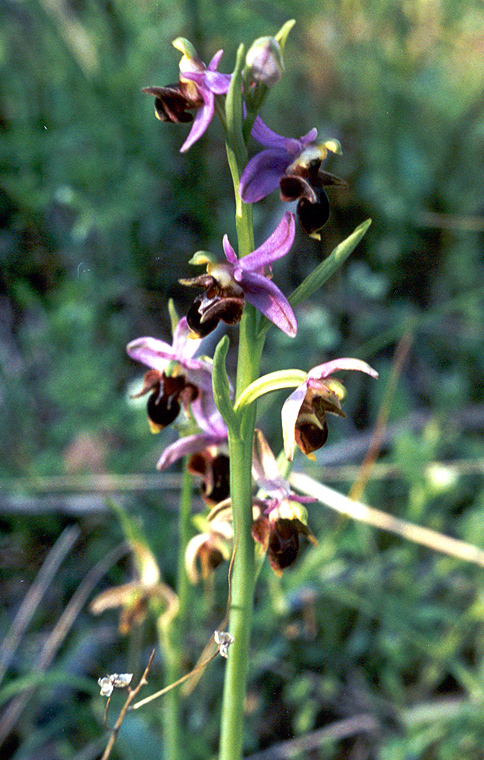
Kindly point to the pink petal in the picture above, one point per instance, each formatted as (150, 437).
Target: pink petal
(289, 413)
(266, 136)
(213, 65)
(275, 247)
(216, 82)
(229, 251)
(182, 344)
(152, 352)
(191, 444)
(262, 174)
(202, 120)
(265, 296)
(327, 369)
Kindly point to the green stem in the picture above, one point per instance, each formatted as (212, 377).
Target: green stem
(184, 522)
(243, 571)
(241, 436)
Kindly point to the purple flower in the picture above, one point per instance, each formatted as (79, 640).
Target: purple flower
(197, 87)
(178, 379)
(295, 167)
(280, 518)
(304, 411)
(175, 377)
(228, 285)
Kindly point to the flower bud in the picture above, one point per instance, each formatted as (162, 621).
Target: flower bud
(264, 62)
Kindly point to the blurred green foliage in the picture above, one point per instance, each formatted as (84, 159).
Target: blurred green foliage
(99, 215)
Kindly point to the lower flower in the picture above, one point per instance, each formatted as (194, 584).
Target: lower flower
(278, 533)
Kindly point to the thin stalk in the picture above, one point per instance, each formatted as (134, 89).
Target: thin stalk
(243, 571)
(243, 574)
(170, 633)
(183, 585)
(241, 436)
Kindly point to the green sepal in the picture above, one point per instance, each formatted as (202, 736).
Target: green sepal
(283, 33)
(174, 318)
(233, 110)
(203, 257)
(274, 381)
(221, 387)
(185, 47)
(328, 267)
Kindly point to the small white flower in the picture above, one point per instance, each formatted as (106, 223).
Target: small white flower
(118, 681)
(224, 640)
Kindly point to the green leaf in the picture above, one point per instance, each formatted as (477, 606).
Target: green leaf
(233, 110)
(328, 267)
(274, 381)
(221, 387)
(283, 33)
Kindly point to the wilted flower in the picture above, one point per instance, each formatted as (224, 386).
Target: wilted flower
(304, 411)
(175, 379)
(224, 640)
(228, 285)
(196, 89)
(115, 680)
(295, 167)
(263, 62)
(211, 547)
(279, 518)
(134, 597)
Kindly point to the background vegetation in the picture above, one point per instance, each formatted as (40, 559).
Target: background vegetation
(99, 215)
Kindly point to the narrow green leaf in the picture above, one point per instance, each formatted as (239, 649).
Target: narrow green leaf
(328, 267)
(233, 110)
(144, 558)
(274, 381)
(221, 387)
(283, 33)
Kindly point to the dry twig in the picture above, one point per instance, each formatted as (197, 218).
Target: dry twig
(35, 594)
(358, 511)
(57, 636)
(132, 694)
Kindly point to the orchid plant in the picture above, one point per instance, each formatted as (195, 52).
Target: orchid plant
(254, 512)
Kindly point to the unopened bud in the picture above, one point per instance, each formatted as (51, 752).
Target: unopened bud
(264, 62)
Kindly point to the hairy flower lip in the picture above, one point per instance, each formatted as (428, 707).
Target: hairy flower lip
(172, 103)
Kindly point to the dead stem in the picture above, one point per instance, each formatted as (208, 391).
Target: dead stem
(374, 447)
